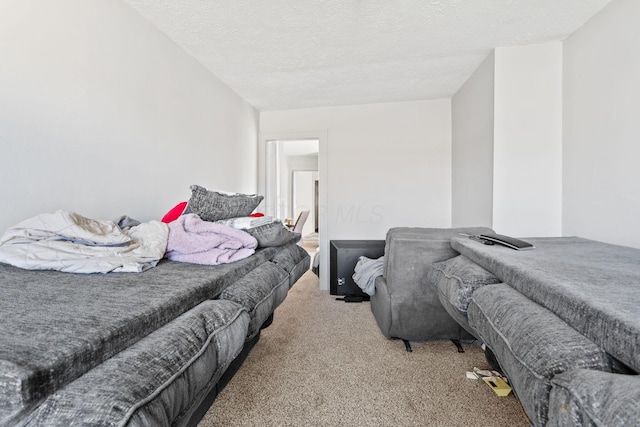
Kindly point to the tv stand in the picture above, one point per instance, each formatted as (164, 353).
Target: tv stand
(354, 298)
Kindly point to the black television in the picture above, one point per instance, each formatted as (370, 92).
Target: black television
(343, 257)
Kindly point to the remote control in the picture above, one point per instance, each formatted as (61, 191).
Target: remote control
(510, 242)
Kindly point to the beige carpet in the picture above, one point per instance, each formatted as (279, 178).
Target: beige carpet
(325, 363)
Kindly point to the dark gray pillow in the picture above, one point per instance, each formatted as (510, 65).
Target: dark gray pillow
(213, 205)
(273, 234)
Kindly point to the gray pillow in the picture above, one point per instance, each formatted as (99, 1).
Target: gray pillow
(213, 205)
(273, 234)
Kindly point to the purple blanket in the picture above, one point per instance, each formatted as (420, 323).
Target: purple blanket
(202, 242)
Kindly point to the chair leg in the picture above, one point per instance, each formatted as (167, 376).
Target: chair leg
(407, 346)
(458, 345)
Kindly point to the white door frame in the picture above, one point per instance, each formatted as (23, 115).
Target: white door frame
(263, 181)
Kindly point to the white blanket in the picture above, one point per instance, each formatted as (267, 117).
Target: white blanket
(69, 242)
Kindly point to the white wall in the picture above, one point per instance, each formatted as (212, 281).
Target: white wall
(304, 173)
(527, 163)
(601, 128)
(387, 165)
(472, 152)
(507, 143)
(102, 114)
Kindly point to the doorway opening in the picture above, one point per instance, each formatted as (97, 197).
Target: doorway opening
(293, 184)
(271, 152)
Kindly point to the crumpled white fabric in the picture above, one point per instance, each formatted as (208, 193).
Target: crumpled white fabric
(69, 242)
(246, 222)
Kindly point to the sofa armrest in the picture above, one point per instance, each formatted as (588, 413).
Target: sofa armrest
(409, 252)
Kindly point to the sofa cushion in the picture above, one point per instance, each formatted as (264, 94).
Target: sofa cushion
(143, 384)
(260, 292)
(294, 260)
(455, 280)
(531, 344)
(458, 278)
(592, 398)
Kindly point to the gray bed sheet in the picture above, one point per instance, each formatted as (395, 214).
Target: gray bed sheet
(593, 286)
(57, 326)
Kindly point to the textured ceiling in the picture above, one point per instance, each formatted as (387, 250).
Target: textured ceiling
(289, 54)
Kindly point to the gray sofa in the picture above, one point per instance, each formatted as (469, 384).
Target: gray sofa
(562, 321)
(146, 349)
(564, 326)
(405, 306)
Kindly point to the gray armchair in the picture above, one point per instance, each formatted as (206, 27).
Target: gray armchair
(405, 305)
